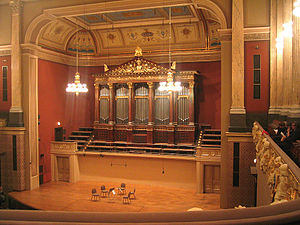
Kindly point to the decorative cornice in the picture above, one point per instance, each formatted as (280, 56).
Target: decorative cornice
(5, 50)
(51, 55)
(257, 34)
(250, 34)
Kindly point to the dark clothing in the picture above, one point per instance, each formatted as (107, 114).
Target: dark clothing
(288, 142)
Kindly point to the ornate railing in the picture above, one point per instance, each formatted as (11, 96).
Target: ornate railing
(283, 174)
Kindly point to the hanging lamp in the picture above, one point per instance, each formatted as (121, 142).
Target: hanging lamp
(77, 87)
(170, 85)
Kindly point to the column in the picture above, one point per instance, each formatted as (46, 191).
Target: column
(295, 98)
(226, 77)
(171, 112)
(130, 112)
(30, 106)
(16, 110)
(150, 119)
(273, 108)
(151, 96)
(279, 61)
(237, 110)
(287, 59)
(97, 113)
(111, 121)
(111, 104)
(191, 103)
(130, 101)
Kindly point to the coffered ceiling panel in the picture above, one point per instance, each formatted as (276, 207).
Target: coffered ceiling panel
(188, 29)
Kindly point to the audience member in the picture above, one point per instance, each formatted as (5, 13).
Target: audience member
(292, 134)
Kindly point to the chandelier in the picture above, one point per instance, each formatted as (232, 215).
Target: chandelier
(170, 85)
(77, 87)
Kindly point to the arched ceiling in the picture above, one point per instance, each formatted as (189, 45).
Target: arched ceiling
(119, 32)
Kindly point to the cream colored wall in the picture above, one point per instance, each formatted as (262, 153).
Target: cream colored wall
(178, 173)
(256, 13)
(225, 6)
(5, 24)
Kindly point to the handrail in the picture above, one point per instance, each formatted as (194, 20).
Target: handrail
(283, 174)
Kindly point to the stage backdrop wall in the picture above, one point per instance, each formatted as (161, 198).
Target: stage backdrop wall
(57, 105)
(208, 107)
(78, 111)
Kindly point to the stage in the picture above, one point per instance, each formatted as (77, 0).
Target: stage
(62, 196)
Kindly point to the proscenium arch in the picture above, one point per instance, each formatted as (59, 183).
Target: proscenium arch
(32, 33)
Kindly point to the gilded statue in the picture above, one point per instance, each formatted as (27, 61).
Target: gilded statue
(138, 51)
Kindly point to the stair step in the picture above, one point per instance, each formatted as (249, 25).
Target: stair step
(211, 140)
(210, 146)
(86, 128)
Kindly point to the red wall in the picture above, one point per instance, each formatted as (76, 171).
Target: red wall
(57, 105)
(5, 105)
(208, 104)
(257, 48)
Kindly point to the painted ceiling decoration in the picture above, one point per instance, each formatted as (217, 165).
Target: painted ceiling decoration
(101, 34)
(83, 42)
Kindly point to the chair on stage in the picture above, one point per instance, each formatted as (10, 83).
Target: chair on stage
(126, 199)
(131, 195)
(104, 191)
(122, 189)
(95, 195)
(111, 192)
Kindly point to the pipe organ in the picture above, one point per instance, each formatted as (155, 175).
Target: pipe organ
(129, 107)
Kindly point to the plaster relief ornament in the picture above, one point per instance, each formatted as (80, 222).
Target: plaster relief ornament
(264, 162)
(132, 35)
(274, 175)
(186, 32)
(260, 146)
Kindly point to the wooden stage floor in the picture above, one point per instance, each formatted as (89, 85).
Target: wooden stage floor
(61, 196)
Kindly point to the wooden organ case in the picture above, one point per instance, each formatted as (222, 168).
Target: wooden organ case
(130, 108)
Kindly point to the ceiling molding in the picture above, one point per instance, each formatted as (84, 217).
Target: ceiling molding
(158, 57)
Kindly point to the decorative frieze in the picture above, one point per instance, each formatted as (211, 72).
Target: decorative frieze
(63, 147)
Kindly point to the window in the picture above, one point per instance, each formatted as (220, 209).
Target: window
(141, 104)
(104, 104)
(4, 83)
(122, 104)
(256, 76)
(183, 105)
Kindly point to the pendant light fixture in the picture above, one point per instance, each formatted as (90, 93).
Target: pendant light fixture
(77, 87)
(170, 85)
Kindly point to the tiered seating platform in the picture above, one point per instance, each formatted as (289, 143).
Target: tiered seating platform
(141, 148)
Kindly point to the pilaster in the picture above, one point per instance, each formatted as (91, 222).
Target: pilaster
(295, 98)
(237, 110)
(16, 110)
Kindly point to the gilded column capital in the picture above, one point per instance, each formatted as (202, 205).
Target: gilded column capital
(96, 86)
(150, 85)
(15, 6)
(130, 85)
(110, 85)
(191, 84)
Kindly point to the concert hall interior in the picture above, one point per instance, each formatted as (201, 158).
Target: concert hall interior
(174, 99)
